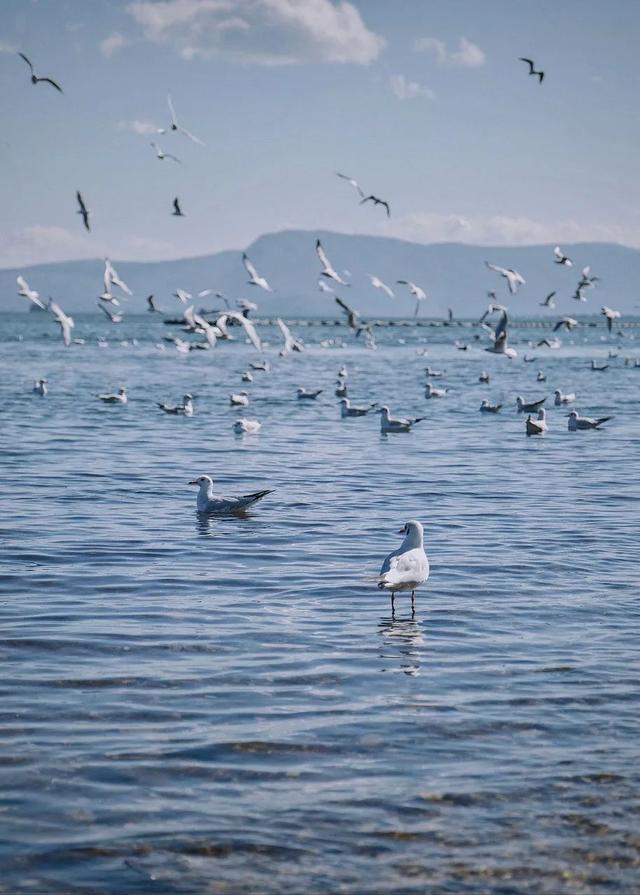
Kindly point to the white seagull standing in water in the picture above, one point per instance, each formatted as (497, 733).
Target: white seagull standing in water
(29, 293)
(528, 406)
(254, 278)
(174, 126)
(433, 392)
(327, 268)
(418, 293)
(513, 278)
(239, 399)
(406, 568)
(304, 394)
(208, 502)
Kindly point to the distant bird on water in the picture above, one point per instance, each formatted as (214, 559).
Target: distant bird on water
(177, 211)
(208, 502)
(254, 277)
(184, 409)
(83, 210)
(406, 568)
(119, 398)
(585, 422)
(532, 68)
(539, 426)
(40, 387)
(36, 79)
(377, 201)
(487, 407)
(390, 423)
(529, 406)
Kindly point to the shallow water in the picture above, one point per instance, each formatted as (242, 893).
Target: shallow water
(227, 706)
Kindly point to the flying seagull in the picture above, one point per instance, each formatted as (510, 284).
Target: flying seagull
(418, 293)
(611, 315)
(111, 278)
(354, 183)
(150, 305)
(290, 343)
(177, 211)
(66, 323)
(500, 339)
(377, 201)
(35, 79)
(29, 293)
(174, 126)
(548, 302)
(532, 69)
(328, 270)
(513, 278)
(377, 283)
(254, 278)
(567, 323)
(114, 318)
(561, 258)
(83, 210)
(162, 155)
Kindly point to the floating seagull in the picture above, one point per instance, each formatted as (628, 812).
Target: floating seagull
(598, 369)
(541, 377)
(529, 360)
(549, 343)
(36, 79)
(500, 338)
(418, 293)
(390, 423)
(83, 210)
(327, 268)
(434, 374)
(114, 318)
(247, 427)
(208, 502)
(354, 183)
(239, 399)
(347, 409)
(263, 367)
(29, 293)
(548, 302)
(377, 283)
(539, 426)
(611, 315)
(174, 126)
(532, 69)
(184, 409)
(246, 376)
(585, 422)
(120, 398)
(567, 323)
(433, 392)
(406, 568)
(163, 155)
(513, 278)
(255, 278)
(40, 387)
(66, 323)
(484, 377)
(529, 406)
(462, 346)
(487, 407)
(290, 344)
(377, 201)
(341, 389)
(343, 373)
(177, 211)
(304, 394)
(561, 258)
(560, 398)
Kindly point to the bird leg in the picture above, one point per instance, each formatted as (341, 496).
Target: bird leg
(393, 605)
(413, 603)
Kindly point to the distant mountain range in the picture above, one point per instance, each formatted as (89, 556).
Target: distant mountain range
(452, 275)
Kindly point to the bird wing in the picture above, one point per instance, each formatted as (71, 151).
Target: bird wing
(529, 63)
(253, 273)
(172, 111)
(176, 205)
(191, 136)
(500, 270)
(354, 183)
(52, 82)
(83, 207)
(322, 255)
(106, 311)
(173, 158)
(345, 307)
(501, 327)
(284, 329)
(27, 61)
(249, 329)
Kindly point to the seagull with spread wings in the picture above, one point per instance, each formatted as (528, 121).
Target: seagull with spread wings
(177, 211)
(377, 201)
(513, 278)
(377, 283)
(30, 294)
(354, 183)
(418, 293)
(83, 210)
(163, 155)
(327, 268)
(254, 277)
(174, 126)
(548, 302)
(532, 69)
(66, 323)
(36, 79)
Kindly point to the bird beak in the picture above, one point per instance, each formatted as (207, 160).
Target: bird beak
(193, 482)
(403, 530)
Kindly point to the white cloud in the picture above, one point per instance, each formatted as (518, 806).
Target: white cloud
(142, 127)
(427, 227)
(405, 89)
(113, 44)
(468, 54)
(265, 32)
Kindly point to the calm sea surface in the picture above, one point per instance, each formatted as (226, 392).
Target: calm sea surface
(227, 706)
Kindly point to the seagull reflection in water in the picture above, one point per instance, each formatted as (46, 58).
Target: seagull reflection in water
(402, 642)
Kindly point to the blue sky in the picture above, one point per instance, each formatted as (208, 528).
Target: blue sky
(425, 103)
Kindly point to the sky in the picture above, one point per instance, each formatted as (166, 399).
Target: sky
(425, 103)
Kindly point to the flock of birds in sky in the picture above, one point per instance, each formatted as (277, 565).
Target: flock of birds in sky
(406, 568)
